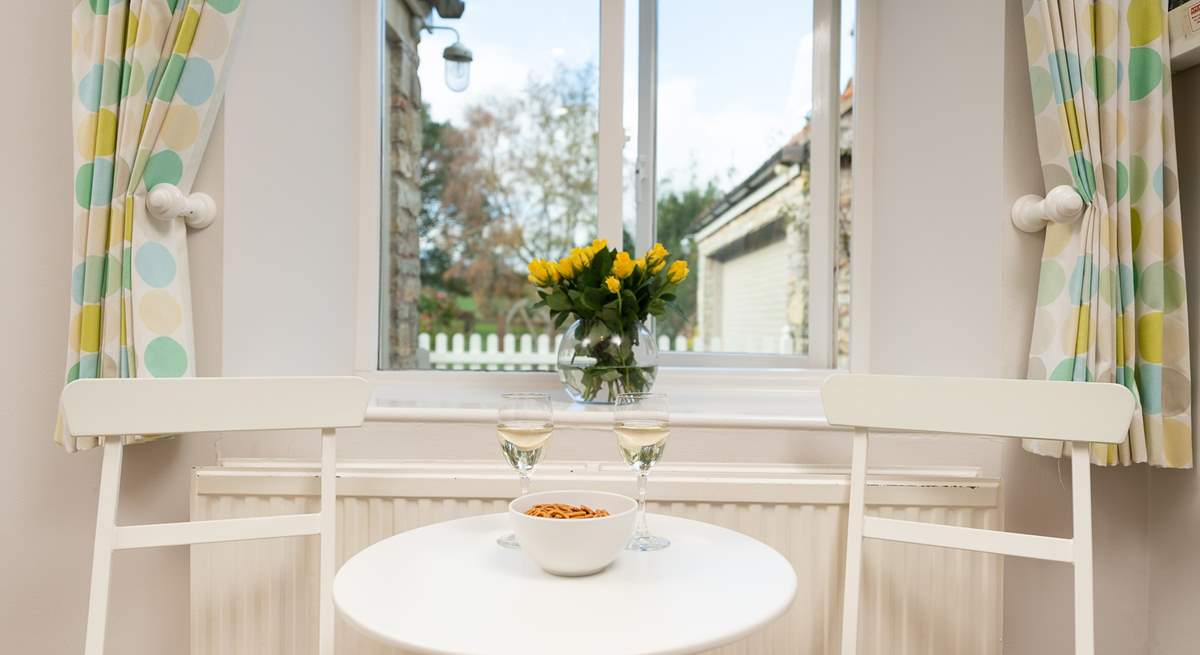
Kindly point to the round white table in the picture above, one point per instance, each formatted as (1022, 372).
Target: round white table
(449, 589)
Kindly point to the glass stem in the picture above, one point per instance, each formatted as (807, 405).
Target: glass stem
(642, 531)
(524, 482)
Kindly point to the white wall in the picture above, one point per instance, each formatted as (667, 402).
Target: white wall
(1174, 502)
(47, 494)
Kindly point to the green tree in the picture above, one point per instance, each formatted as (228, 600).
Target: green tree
(678, 209)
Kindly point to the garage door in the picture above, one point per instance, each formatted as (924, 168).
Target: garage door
(754, 299)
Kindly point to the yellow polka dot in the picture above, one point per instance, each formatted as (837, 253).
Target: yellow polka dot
(1149, 337)
(212, 41)
(1034, 38)
(1058, 235)
(1172, 239)
(1082, 332)
(89, 329)
(131, 31)
(1177, 443)
(180, 127)
(1103, 19)
(1145, 21)
(85, 137)
(73, 329)
(159, 312)
(106, 133)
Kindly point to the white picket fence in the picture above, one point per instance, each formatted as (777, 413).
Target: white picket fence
(529, 353)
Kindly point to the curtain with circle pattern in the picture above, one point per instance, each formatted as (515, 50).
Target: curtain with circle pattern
(1111, 303)
(148, 78)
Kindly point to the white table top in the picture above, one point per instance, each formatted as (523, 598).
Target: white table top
(449, 589)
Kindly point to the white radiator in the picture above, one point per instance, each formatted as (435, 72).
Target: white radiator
(258, 598)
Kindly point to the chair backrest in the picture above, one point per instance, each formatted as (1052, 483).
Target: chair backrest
(163, 406)
(112, 408)
(1064, 411)
(1080, 413)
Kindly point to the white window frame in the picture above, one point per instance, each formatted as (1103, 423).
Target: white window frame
(823, 190)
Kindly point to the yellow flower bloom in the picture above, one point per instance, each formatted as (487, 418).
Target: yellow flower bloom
(622, 266)
(566, 267)
(678, 271)
(656, 266)
(541, 272)
(613, 284)
(552, 268)
(657, 254)
(640, 263)
(598, 245)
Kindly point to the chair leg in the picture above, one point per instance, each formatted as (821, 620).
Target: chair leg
(102, 549)
(851, 588)
(1081, 504)
(328, 550)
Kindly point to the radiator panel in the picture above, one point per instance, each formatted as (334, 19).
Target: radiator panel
(260, 597)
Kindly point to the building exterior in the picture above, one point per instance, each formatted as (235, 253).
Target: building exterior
(752, 252)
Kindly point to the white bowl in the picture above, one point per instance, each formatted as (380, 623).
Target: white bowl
(574, 546)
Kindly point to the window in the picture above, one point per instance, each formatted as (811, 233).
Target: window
(724, 135)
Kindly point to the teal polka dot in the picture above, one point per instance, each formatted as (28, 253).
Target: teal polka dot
(1042, 86)
(163, 167)
(196, 83)
(165, 358)
(99, 7)
(1084, 270)
(102, 181)
(83, 185)
(110, 88)
(1157, 181)
(124, 365)
(1139, 177)
(155, 265)
(89, 88)
(1145, 72)
(1122, 180)
(1071, 369)
(172, 4)
(1149, 382)
(224, 6)
(1103, 76)
(1161, 288)
(1063, 62)
(1050, 283)
(169, 74)
(1082, 176)
(1126, 284)
(87, 367)
(93, 279)
(127, 268)
(77, 284)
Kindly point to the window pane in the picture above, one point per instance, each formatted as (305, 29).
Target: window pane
(733, 171)
(479, 182)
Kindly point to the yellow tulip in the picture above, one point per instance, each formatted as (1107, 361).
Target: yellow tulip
(539, 272)
(678, 272)
(657, 254)
(613, 284)
(622, 266)
(598, 245)
(566, 267)
(657, 266)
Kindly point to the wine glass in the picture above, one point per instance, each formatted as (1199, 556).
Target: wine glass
(526, 421)
(642, 427)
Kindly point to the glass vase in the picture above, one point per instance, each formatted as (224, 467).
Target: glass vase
(595, 364)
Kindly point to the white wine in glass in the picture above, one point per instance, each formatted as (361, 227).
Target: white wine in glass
(526, 421)
(642, 425)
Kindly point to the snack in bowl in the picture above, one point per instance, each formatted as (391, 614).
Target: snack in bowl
(563, 511)
(573, 533)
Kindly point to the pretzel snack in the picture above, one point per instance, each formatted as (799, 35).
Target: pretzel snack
(564, 511)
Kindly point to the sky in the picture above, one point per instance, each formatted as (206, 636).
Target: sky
(733, 86)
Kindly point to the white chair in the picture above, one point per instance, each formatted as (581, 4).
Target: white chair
(1078, 413)
(110, 408)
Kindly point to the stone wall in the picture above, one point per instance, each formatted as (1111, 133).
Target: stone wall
(401, 202)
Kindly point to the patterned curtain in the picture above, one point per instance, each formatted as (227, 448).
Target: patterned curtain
(148, 78)
(1111, 305)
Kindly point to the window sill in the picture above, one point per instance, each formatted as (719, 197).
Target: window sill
(702, 398)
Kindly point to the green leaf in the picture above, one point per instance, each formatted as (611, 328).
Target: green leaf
(558, 301)
(668, 297)
(602, 262)
(595, 298)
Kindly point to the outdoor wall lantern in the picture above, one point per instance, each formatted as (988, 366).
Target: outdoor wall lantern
(458, 56)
